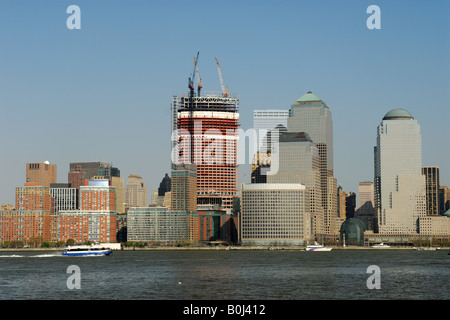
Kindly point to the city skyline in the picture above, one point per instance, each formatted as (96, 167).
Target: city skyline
(64, 92)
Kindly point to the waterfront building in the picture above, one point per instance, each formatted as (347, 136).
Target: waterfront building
(311, 115)
(432, 190)
(86, 225)
(299, 163)
(24, 225)
(156, 224)
(31, 220)
(274, 214)
(42, 173)
(135, 191)
(400, 198)
(65, 197)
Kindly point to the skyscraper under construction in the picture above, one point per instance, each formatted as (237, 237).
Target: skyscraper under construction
(207, 136)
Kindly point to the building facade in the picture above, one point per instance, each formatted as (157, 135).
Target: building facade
(65, 197)
(274, 214)
(135, 191)
(311, 115)
(42, 173)
(298, 162)
(432, 190)
(184, 188)
(400, 198)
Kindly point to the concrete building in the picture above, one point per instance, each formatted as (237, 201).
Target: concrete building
(311, 115)
(135, 192)
(432, 189)
(42, 173)
(274, 214)
(400, 198)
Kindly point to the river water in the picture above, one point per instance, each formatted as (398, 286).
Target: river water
(227, 275)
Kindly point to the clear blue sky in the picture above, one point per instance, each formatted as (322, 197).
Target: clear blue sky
(103, 93)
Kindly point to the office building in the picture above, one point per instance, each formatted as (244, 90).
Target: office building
(432, 190)
(184, 188)
(274, 214)
(299, 163)
(365, 210)
(42, 173)
(400, 198)
(156, 224)
(365, 193)
(135, 193)
(311, 115)
(77, 178)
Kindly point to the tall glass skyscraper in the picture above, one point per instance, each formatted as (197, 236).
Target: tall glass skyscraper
(311, 115)
(400, 198)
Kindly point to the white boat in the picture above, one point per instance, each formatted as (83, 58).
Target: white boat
(316, 247)
(380, 246)
(87, 250)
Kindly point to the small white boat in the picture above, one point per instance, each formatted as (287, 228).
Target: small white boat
(87, 250)
(316, 247)
(380, 246)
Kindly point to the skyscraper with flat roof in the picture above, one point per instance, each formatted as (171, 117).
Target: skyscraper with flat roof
(399, 184)
(432, 189)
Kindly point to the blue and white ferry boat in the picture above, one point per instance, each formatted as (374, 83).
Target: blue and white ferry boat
(87, 250)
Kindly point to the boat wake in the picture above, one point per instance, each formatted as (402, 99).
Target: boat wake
(47, 255)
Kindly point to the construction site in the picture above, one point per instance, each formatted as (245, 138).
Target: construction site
(207, 126)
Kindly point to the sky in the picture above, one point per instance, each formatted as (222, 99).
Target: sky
(103, 92)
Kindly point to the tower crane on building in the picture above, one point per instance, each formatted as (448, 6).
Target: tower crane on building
(197, 74)
(219, 71)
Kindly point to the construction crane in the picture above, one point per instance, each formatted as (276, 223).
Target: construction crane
(219, 71)
(197, 74)
(192, 79)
